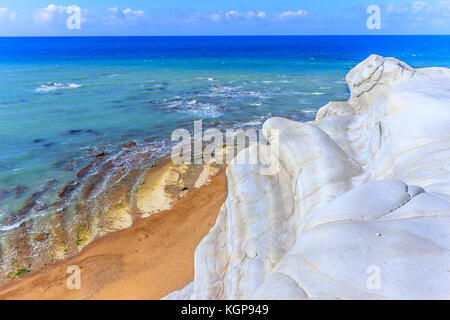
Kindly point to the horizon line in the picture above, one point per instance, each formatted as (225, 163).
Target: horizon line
(225, 35)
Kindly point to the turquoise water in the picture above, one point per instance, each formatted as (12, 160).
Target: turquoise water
(62, 100)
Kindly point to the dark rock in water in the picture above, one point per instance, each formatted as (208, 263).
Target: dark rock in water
(18, 190)
(29, 204)
(100, 154)
(73, 131)
(40, 206)
(151, 139)
(51, 182)
(3, 194)
(83, 171)
(96, 133)
(68, 189)
(129, 144)
(49, 144)
(97, 178)
(61, 164)
(72, 164)
(216, 123)
(33, 202)
(38, 140)
(57, 204)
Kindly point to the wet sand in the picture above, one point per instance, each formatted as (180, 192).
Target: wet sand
(150, 259)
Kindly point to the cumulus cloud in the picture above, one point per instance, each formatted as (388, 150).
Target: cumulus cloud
(7, 15)
(56, 14)
(419, 14)
(291, 14)
(126, 16)
(252, 15)
(48, 14)
(420, 9)
(232, 15)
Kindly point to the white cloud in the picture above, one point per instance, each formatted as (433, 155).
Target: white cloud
(56, 14)
(48, 14)
(292, 14)
(7, 15)
(249, 15)
(419, 9)
(419, 14)
(252, 15)
(419, 6)
(232, 15)
(126, 16)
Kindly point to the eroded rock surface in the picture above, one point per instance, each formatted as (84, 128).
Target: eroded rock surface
(359, 208)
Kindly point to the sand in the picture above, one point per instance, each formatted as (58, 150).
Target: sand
(150, 259)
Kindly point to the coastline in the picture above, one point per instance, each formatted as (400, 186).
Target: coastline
(148, 260)
(356, 200)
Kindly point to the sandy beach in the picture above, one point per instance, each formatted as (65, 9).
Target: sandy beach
(148, 260)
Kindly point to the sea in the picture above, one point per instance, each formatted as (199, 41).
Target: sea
(65, 99)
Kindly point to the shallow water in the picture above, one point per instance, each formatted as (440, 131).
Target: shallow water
(62, 100)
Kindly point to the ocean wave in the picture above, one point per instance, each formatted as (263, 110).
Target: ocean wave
(202, 109)
(12, 226)
(52, 86)
(315, 93)
(196, 107)
(256, 122)
(205, 78)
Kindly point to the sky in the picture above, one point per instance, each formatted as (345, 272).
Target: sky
(214, 17)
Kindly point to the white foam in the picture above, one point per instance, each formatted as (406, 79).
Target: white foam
(11, 226)
(52, 86)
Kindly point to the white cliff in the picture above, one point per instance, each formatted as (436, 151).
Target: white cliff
(359, 208)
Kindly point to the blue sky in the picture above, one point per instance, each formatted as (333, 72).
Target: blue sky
(230, 17)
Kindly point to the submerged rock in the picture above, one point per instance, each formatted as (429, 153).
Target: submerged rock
(129, 144)
(3, 194)
(19, 190)
(359, 207)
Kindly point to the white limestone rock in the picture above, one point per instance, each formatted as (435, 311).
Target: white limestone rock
(360, 207)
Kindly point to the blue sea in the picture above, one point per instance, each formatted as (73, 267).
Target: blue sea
(63, 100)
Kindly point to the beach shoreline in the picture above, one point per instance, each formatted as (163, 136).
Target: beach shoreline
(148, 260)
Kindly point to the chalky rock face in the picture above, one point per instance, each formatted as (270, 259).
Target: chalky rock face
(359, 209)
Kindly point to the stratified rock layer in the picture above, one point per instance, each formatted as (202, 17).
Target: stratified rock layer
(359, 208)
